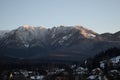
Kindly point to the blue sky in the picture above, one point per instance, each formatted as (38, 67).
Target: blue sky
(98, 15)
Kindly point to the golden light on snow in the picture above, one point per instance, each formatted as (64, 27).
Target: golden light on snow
(26, 26)
(83, 32)
(41, 27)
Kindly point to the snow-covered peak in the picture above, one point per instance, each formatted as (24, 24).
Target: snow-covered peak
(27, 34)
(41, 28)
(86, 32)
(27, 27)
(62, 32)
(55, 36)
(62, 28)
(79, 27)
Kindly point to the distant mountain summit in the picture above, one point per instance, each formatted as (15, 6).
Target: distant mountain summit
(111, 37)
(56, 43)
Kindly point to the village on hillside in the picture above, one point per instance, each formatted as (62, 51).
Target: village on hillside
(107, 70)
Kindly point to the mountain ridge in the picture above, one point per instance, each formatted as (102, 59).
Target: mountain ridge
(62, 42)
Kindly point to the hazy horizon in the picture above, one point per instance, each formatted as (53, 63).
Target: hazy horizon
(100, 16)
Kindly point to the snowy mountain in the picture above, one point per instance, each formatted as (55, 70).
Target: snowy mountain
(56, 36)
(2, 33)
(59, 43)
